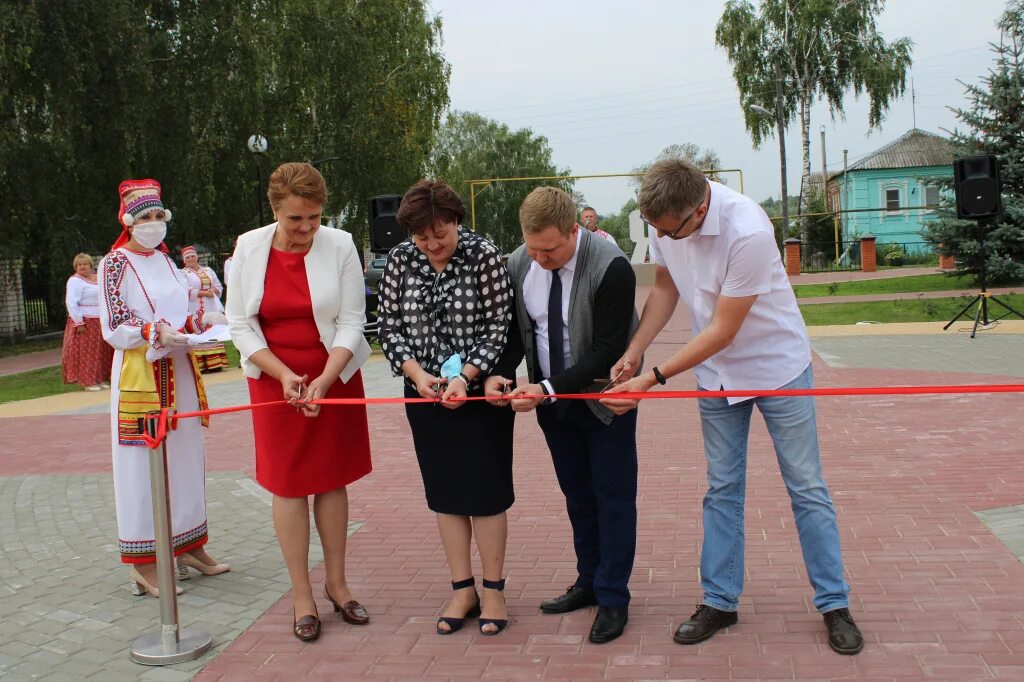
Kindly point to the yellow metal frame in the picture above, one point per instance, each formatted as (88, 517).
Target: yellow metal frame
(484, 183)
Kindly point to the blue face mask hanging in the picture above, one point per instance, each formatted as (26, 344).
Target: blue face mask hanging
(452, 367)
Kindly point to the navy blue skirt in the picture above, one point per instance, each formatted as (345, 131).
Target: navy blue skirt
(465, 455)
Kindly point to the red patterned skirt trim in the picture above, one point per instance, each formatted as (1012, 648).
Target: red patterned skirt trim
(86, 358)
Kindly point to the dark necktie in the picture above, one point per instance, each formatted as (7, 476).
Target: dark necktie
(556, 352)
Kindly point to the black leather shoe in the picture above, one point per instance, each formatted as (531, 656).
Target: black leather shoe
(843, 634)
(574, 598)
(609, 624)
(705, 622)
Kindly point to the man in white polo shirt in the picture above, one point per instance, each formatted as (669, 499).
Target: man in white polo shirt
(715, 248)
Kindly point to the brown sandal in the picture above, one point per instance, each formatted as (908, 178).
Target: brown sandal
(351, 611)
(306, 628)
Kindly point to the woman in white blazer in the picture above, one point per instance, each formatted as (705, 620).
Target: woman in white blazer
(296, 308)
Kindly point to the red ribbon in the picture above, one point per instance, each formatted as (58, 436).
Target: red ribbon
(153, 442)
(165, 417)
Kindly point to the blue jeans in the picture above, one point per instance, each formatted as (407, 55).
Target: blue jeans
(794, 432)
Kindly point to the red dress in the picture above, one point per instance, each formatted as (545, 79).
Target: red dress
(298, 455)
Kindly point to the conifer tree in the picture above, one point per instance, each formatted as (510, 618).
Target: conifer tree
(993, 124)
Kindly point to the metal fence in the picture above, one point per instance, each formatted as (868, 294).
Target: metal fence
(830, 256)
(902, 254)
(43, 298)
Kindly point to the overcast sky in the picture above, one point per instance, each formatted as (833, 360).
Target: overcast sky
(612, 83)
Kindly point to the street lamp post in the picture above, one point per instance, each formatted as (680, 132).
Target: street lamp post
(781, 132)
(257, 144)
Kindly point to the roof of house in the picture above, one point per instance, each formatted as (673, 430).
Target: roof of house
(812, 183)
(913, 149)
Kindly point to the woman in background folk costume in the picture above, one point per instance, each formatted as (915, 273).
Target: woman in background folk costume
(203, 280)
(85, 358)
(144, 313)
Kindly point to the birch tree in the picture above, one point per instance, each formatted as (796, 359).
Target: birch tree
(705, 159)
(820, 49)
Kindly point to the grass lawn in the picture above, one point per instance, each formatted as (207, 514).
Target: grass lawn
(910, 309)
(48, 381)
(34, 384)
(895, 285)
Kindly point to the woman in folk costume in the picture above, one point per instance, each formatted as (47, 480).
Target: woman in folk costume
(85, 358)
(203, 280)
(144, 310)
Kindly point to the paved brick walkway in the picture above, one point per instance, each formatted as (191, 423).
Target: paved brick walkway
(27, 362)
(856, 275)
(937, 595)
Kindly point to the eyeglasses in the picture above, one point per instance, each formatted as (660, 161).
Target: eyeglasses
(673, 233)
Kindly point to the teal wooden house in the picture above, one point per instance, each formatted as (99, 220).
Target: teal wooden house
(898, 183)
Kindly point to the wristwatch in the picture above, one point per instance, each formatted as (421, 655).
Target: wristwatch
(659, 376)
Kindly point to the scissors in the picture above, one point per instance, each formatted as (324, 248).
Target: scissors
(505, 389)
(614, 379)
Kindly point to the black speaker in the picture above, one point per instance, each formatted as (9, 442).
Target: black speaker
(385, 233)
(978, 187)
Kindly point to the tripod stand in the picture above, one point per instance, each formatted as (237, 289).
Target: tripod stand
(981, 300)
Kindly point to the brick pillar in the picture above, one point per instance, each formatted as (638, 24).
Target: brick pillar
(868, 255)
(792, 256)
(946, 262)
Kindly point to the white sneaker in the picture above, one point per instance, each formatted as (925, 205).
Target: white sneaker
(104, 384)
(97, 387)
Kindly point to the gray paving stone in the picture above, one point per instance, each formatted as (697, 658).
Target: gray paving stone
(78, 620)
(1007, 524)
(113, 676)
(1001, 355)
(63, 677)
(165, 675)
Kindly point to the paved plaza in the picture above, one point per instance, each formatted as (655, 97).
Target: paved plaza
(925, 487)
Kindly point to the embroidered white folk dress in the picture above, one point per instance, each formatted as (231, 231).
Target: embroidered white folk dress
(137, 289)
(210, 282)
(215, 356)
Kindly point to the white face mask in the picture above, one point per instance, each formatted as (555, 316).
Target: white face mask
(150, 234)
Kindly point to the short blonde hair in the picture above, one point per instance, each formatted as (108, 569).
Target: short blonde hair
(298, 179)
(83, 257)
(547, 206)
(670, 187)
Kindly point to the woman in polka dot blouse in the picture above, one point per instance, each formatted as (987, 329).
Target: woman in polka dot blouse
(446, 300)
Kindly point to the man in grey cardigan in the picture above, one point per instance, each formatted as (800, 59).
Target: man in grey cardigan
(574, 317)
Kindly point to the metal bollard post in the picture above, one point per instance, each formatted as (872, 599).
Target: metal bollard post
(171, 644)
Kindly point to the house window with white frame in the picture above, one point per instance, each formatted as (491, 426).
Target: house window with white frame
(931, 197)
(892, 200)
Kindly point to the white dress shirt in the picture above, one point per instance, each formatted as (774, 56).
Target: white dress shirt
(734, 254)
(536, 291)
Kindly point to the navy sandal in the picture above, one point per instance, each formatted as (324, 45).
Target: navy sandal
(455, 624)
(500, 623)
